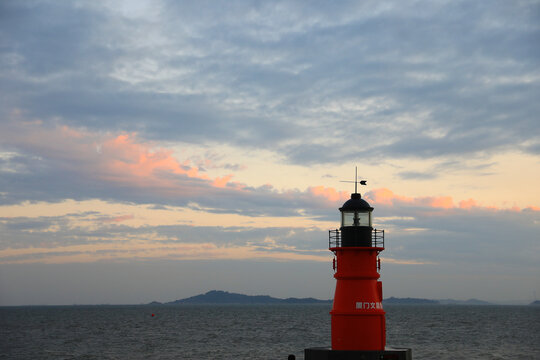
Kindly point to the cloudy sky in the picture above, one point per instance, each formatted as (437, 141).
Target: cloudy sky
(154, 150)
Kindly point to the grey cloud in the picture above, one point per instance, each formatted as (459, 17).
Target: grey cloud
(450, 79)
(478, 241)
(461, 236)
(479, 166)
(465, 65)
(50, 232)
(417, 175)
(456, 243)
(43, 182)
(24, 225)
(50, 39)
(457, 236)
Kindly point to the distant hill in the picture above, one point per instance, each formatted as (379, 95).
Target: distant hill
(224, 297)
(464, 302)
(409, 301)
(535, 303)
(415, 301)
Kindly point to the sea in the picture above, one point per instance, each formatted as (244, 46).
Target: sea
(257, 331)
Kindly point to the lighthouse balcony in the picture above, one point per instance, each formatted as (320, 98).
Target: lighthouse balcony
(336, 240)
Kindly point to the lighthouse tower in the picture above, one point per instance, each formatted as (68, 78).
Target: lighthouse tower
(357, 315)
(358, 321)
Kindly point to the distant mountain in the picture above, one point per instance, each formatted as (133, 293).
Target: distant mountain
(224, 297)
(414, 301)
(535, 303)
(409, 301)
(464, 302)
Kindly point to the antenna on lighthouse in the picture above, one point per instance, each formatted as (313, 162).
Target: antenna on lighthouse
(356, 182)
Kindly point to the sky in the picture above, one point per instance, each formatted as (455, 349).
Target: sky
(156, 150)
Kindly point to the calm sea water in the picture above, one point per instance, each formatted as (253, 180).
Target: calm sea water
(257, 331)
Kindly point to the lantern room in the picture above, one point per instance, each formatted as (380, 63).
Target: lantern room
(356, 226)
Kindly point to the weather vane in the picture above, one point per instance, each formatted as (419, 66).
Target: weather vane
(356, 182)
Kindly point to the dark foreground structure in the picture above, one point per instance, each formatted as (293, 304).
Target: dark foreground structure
(357, 317)
(329, 354)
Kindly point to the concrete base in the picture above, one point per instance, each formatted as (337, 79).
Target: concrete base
(329, 354)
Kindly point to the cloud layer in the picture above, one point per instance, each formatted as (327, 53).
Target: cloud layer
(166, 131)
(417, 80)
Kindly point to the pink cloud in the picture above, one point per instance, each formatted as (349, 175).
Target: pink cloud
(386, 197)
(126, 161)
(121, 159)
(467, 204)
(444, 202)
(125, 155)
(222, 181)
(328, 193)
(117, 219)
(71, 133)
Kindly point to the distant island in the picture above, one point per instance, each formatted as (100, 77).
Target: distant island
(415, 301)
(535, 303)
(225, 297)
(464, 302)
(409, 301)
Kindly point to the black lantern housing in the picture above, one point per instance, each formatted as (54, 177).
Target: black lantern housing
(356, 228)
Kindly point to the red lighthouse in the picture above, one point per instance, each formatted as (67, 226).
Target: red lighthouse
(358, 321)
(357, 315)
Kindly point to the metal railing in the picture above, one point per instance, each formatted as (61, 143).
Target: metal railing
(377, 238)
